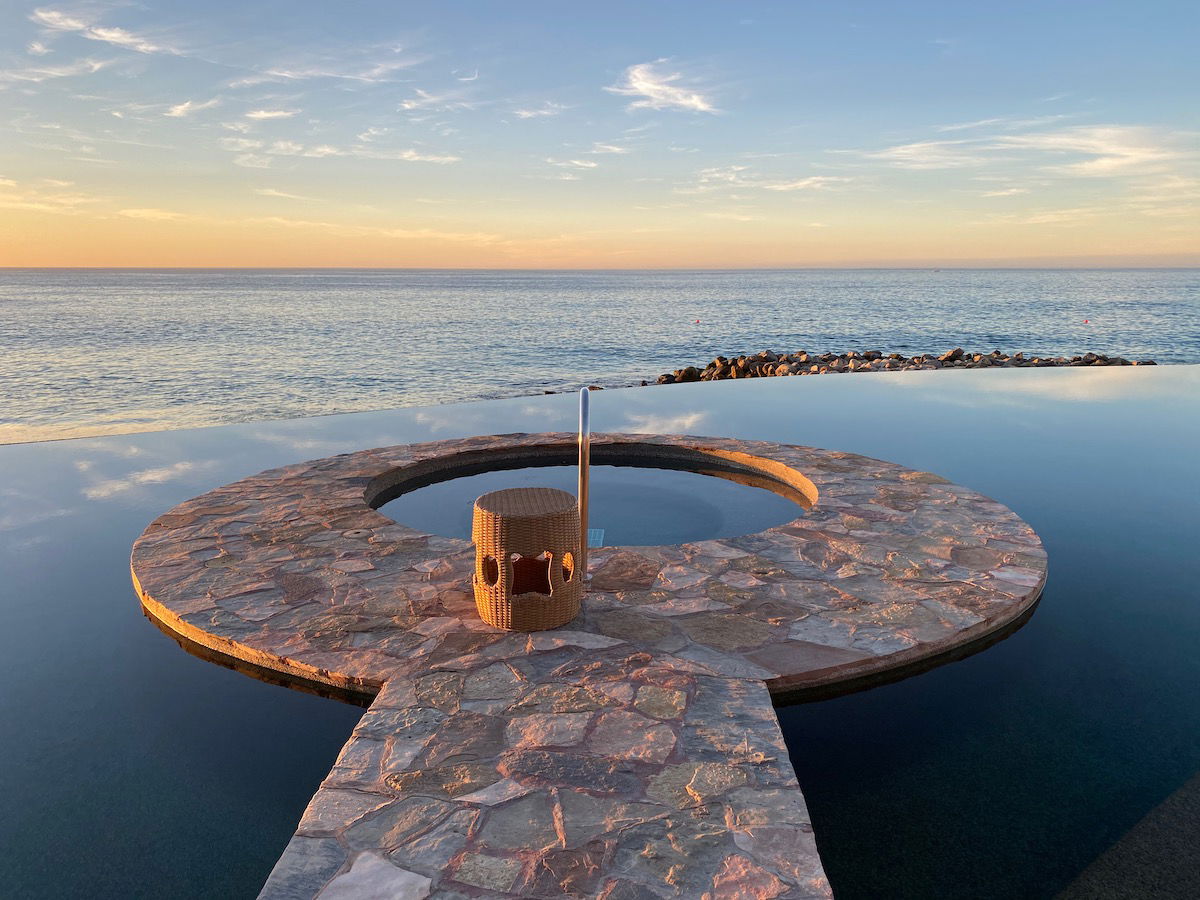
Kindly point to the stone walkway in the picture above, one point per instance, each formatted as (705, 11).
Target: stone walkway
(634, 754)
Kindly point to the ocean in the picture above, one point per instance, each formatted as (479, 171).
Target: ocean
(99, 351)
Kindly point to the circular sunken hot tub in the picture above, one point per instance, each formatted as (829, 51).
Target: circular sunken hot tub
(630, 505)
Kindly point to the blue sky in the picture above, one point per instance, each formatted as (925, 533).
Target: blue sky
(663, 134)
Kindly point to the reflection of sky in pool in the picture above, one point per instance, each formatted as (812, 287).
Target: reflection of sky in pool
(631, 505)
(134, 769)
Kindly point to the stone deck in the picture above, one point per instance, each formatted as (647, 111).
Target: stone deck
(633, 754)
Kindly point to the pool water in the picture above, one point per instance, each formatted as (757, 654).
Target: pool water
(133, 769)
(628, 505)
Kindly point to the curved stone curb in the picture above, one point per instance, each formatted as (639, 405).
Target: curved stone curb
(294, 571)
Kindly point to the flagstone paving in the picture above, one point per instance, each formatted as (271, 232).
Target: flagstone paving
(635, 752)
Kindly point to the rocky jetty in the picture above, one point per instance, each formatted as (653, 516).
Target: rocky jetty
(767, 362)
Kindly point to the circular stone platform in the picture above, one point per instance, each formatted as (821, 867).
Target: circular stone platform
(293, 569)
(658, 681)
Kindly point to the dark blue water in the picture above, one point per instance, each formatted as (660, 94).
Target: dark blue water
(85, 352)
(131, 769)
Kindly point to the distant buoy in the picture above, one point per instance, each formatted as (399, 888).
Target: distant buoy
(697, 321)
(1085, 322)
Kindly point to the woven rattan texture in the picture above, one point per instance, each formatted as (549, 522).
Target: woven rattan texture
(524, 502)
(528, 522)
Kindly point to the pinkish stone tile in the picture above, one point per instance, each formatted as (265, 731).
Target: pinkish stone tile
(738, 877)
(372, 876)
(502, 791)
(674, 578)
(682, 606)
(348, 566)
(627, 735)
(550, 640)
(546, 729)
(1018, 575)
(716, 550)
(740, 580)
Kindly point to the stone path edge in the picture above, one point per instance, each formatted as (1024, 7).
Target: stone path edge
(783, 692)
(168, 622)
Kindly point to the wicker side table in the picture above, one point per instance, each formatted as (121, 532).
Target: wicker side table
(526, 556)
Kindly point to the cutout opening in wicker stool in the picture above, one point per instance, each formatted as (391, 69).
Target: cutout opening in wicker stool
(526, 544)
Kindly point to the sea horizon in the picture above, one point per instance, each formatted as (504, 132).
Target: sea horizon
(98, 351)
(843, 268)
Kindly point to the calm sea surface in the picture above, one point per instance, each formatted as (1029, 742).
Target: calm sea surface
(88, 352)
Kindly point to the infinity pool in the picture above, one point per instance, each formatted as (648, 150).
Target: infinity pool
(1058, 760)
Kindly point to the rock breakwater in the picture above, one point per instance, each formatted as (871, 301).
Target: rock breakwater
(767, 362)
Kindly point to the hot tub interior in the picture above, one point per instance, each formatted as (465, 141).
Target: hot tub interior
(629, 505)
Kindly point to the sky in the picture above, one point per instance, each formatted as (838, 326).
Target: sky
(599, 135)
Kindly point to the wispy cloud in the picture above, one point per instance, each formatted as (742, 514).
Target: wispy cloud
(1002, 122)
(54, 20)
(240, 144)
(652, 423)
(608, 148)
(448, 101)
(37, 74)
(290, 148)
(1077, 215)
(252, 161)
(48, 198)
(1005, 192)
(572, 163)
(731, 216)
(187, 107)
(812, 183)
(272, 192)
(657, 89)
(22, 509)
(257, 154)
(260, 114)
(366, 66)
(1113, 149)
(347, 230)
(157, 215)
(954, 154)
(1103, 150)
(734, 177)
(1169, 196)
(110, 487)
(37, 48)
(544, 111)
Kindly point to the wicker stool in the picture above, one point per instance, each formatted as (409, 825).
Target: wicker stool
(526, 550)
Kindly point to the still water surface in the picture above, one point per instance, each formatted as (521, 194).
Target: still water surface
(134, 769)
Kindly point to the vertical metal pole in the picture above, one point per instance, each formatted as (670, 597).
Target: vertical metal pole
(585, 461)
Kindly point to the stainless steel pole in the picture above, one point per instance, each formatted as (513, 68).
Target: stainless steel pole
(585, 460)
